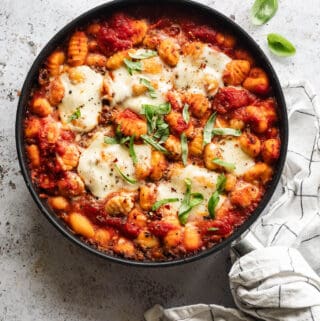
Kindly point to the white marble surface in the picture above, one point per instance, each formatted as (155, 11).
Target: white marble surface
(45, 277)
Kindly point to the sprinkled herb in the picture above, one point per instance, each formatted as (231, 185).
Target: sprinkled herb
(130, 180)
(185, 113)
(110, 140)
(157, 204)
(228, 166)
(226, 131)
(213, 229)
(184, 149)
(151, 90)
(215, 197)
(207, 131)
(132, 66)
(75, 115)
(189, 201)
(132, 152)
(143, 54)
(149, 140)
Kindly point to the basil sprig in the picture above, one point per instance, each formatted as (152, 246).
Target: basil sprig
(207, 131)
(228, 166)
(189, 201)
(184, 149)
(158, 129)
(127, 178)
(215, 197)
(143, 54)
(280, 46)
(151, 90)
(226, 131)
(263, 10)
(75, 115)
(132, 66)
(157, 204)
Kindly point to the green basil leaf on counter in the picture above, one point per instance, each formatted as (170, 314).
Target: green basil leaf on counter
(280, 46)
(263, 10)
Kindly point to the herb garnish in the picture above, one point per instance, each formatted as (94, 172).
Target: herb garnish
(207, 131)
(157, 204)
(132, 66)
(143, 54)
(130, 180)
(226, 131)
(228, 166)
(184, 149)
(263, 10)
(75, 115)
(151, 90)
(214, 199)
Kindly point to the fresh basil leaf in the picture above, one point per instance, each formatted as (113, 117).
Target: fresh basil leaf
(143, 54)
(189, 201)
(207, 131)
(151, 90)
(228, 166)
(212, 203)
(163, 109)
(130, 180)
(149, 140)
(184, 149)
(132, 66)
(263, 10)
(185, 113)
(110, 140)
(213, 229)
(280, 46)
(162, 131)
(226, 131)
(132, 152)
(221, 183)
(124, 139)
(157, 204)
(75, 115)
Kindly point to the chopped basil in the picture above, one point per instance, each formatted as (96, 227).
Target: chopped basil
(280, 46)
(213, 229)
(149, 140)
(156, 125)
(226, 131)
(151, 90)
(263, 10)
(184, 149)
(157, 204)
(143, 54)
(110, 140)
(75, 115)
(132, 152)
(208, 128)
(189, 201)
(228, 166)
(130, 180)
(221, 183)
(185, 113)
(132, 66)
(215, 197)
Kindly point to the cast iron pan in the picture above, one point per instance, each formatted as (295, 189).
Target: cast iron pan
(154, 6)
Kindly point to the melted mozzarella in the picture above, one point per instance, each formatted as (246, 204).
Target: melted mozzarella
(190, 73)
(203, 181)
(232, 153)
(84, 96)
(97, 166)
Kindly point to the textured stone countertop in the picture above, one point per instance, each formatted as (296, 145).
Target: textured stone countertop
(43, 276)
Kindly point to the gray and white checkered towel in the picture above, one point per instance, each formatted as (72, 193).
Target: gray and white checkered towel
(272, 280)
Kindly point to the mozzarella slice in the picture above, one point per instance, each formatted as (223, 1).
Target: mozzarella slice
(97, 166)
(232, 153)
(203, 181)
(85, 97)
